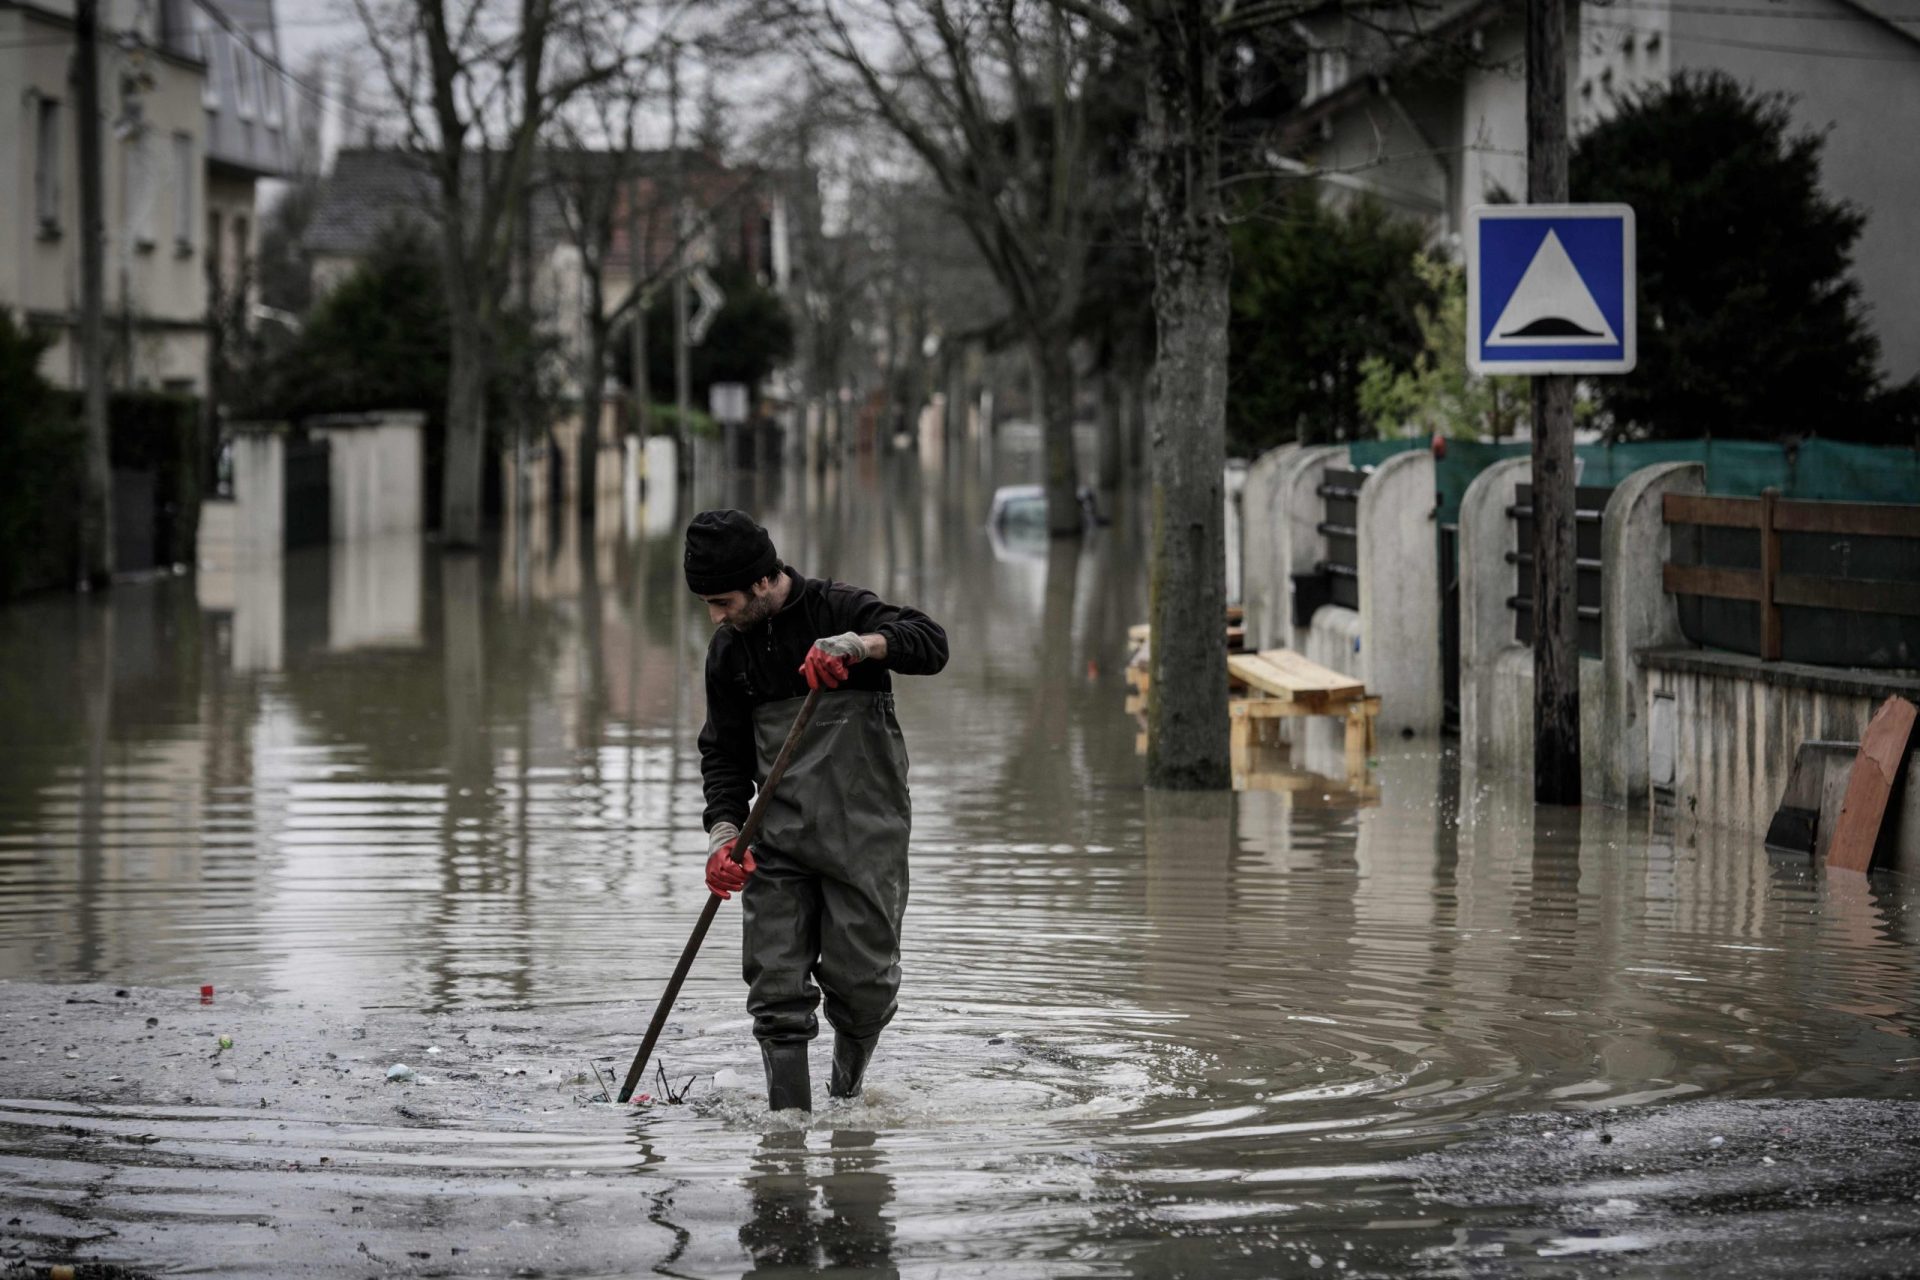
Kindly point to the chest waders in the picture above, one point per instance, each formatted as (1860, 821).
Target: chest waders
(829, 890)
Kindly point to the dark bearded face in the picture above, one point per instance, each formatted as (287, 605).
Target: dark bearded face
(742, 610)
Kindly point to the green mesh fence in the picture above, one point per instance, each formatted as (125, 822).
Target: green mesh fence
(1816, 470)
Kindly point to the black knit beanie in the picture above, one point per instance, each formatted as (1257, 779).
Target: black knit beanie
(727, 551)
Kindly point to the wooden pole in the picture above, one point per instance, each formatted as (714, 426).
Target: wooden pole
(748, 834)
(1556, 640)
(96, 507)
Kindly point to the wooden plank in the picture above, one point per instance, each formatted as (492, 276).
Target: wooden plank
(1356, 740)
(1265, 708)
(1696, 508)
(1287, 674)
(1305, 673)
(1855, 595)
(1863, 519)
(1883, 752)
(1710, 580)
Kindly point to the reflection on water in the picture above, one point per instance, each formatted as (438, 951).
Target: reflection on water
(1140, 1032)
(820, 1209)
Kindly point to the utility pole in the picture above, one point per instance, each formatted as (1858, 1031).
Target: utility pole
(1556, 618)
(638, 259)
(522, 272)
(682, 394)
(96, 505)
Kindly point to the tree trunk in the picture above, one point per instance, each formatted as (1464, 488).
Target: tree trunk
(1052, 354)
(599, 338)
(588, 464)
(466, 434)
(1187, 581)
(1113, 430)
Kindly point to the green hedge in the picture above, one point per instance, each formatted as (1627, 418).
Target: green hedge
(40, 473)
(42, 465)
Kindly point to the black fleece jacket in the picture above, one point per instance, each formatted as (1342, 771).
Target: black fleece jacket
(745, 669)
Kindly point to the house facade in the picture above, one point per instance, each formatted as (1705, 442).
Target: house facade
(1432, 127)
(737, 215)
(177, 179)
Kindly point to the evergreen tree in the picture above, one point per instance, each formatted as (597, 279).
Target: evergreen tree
(749, 338)
(1750, 325)
(1317, 291)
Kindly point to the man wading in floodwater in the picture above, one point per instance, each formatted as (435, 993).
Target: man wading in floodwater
(825, 885)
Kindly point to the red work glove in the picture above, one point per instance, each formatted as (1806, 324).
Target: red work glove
(828, 660)
(823, 669)
(725, 876)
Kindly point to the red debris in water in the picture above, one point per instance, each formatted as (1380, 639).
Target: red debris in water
(641, 1099)
(206, 994)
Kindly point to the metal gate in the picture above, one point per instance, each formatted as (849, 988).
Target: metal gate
(1450, 628)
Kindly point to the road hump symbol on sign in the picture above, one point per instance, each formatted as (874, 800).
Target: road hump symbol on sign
(1551, 305)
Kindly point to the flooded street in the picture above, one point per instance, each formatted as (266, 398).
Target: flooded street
(445, 811)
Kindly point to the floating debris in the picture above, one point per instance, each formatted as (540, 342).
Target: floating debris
(401, 1072)
(667, 1092)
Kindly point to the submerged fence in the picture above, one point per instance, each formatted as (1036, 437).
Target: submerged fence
(1835, 583)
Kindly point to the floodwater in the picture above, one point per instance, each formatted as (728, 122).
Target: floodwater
(399, 807)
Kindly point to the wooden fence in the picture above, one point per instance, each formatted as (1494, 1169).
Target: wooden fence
(1770, 516)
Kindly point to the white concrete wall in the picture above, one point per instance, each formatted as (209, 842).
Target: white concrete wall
(1496, 671)
(1487, 534)
(259, 495)
(1635, 613)
(1738, 723)
(1392, 641)
(1510, 717)
(376, 473)
(1400, 593)
(1263, 572)
(1297, 528)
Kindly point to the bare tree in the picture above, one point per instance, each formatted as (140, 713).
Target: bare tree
(594, 190)
(615, 196)
(989, 95)
(1184, 47)
(476, 82)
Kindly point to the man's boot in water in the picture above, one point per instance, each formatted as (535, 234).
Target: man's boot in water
(788, 1084)
(850, 1057)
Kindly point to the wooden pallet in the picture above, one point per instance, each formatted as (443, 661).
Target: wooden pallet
(1276, 684)
(1247, 716)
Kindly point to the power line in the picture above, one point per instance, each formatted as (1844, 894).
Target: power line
(1735, 11)
(1852, 55)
